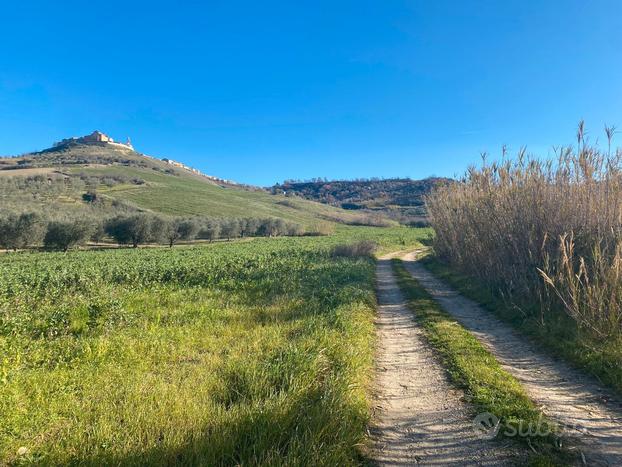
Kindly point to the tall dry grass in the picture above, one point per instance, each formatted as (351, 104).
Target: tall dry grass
(547, 234)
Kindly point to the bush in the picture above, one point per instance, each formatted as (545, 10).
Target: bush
(362, 248)
(90, 197)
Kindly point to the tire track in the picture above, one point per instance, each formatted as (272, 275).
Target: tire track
(590, 415)
(420, 418)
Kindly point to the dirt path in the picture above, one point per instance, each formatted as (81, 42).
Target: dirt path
(592, 416)
(420, 417)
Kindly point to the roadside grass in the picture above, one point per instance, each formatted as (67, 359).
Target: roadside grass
(556, 332)
(490, 388)
(235, 353)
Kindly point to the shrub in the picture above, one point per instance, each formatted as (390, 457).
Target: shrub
(90, 197)
(362, 248)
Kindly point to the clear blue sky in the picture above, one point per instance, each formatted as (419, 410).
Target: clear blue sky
(261, 91)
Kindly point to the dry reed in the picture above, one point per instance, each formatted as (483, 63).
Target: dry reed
(547, 234)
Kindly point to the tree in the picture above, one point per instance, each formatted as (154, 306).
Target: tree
(134, 229)
(187, 228)
(250, 227)
(31, 229)
(62, 235)
(7, 232)
(272, 227)
(294, 229)
(157, 229)
(210, 230)
(97, 232)
(21, 231)
(230, 228)
(181, 229)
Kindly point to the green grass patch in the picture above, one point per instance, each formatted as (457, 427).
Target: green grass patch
(251, 353)
(489, 388)
(556, 333)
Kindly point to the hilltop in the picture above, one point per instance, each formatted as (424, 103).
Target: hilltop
(96, 175)
(399, 198)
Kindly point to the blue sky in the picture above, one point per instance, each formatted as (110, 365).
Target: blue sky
(264, 91)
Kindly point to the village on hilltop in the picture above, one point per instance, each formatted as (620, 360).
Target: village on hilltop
(99, 138)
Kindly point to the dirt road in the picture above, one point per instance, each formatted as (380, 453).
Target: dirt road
(592, 416)
(420, 417)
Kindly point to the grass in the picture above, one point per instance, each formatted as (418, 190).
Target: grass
(556, 332)
(254, 353)
(189, 195)
(387, 239)
(490, 388)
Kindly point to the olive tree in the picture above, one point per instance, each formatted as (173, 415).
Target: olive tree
(133, 230)
(181, 229)
(21, 231)
(62, 235)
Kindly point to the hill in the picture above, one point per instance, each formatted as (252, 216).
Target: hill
(98, 177)
(398, 198)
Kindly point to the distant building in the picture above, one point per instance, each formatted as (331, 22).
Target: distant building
(173, 163)
(179, 165)
(95, 137)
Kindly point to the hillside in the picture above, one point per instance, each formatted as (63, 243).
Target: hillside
(398, 198)
(104, 179)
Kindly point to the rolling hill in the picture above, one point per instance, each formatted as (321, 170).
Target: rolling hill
(399, 198)
(78, 177)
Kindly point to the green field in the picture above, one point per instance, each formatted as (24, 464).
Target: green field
(188, 195)
(234, 353)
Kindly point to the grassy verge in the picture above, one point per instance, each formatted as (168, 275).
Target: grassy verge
(555, 332)
(490, 388)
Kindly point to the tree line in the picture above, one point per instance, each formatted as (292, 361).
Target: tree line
(30, 229)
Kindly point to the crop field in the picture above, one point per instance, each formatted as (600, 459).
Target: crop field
(254, 352)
